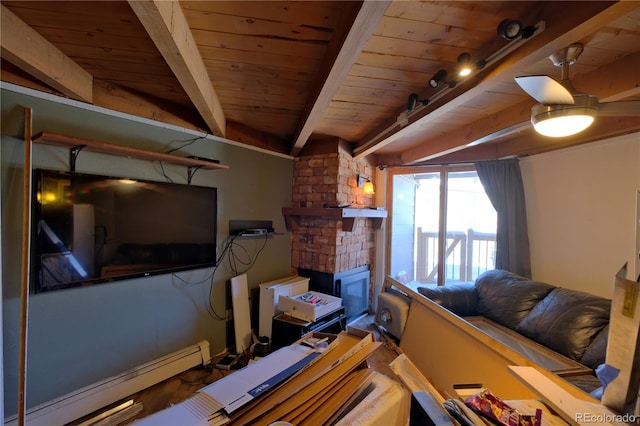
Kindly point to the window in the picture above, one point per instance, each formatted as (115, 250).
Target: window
(443, 226)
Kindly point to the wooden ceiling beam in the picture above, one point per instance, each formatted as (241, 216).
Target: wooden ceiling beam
(28, 50)
(467, 156)
(240, 133)
(515, 119)
(524, 143)
(167, 26)
(352, 33)
(533, 143)
(115, 97)
(599, 82)
(562, 29)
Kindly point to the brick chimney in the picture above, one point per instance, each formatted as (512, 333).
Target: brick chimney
(325, 175)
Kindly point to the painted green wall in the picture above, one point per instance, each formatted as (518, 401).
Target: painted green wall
(78, 336)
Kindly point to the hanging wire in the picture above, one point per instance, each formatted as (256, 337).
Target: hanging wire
(235, 261)
(184, 143)
(247, 260)
(166, 176)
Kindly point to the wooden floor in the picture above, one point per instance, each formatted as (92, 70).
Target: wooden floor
(184, 385)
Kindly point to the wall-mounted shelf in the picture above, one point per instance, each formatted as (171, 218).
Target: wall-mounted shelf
(76, 145)
(347, 214)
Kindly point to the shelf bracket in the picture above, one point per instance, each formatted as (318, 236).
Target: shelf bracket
(73, 156)
(192, 171)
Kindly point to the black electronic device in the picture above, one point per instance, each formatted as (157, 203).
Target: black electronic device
(228, 362)
(352, 286)
(286, 329)
(209, 160)
(89, 229)
(250, 227)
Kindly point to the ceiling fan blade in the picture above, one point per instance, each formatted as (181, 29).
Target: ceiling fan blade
(545, 90)
(620, 109)
(503, 133)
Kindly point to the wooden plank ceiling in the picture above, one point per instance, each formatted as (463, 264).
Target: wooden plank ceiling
(286, 76)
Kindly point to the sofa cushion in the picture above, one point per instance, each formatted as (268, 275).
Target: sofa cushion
(461, 299)
(596, 353)
(566, 321)
(506, 298)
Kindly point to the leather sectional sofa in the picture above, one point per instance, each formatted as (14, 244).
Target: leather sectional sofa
(570, 322)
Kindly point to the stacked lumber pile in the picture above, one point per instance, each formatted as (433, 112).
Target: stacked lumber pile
(322, 392)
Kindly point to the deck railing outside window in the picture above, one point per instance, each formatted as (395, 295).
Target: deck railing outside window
(467, 255)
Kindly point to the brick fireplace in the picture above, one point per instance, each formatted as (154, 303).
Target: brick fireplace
(329, 246)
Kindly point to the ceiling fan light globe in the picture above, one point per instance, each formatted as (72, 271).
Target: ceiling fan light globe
(565, 120)
(563, 126)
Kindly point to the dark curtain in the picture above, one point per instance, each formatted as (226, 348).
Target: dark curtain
(502, 182)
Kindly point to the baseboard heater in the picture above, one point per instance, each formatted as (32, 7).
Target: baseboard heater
(81, 402)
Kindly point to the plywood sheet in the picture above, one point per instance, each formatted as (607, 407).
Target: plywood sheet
(449, 351)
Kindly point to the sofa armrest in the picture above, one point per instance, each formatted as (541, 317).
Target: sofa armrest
(461, 299)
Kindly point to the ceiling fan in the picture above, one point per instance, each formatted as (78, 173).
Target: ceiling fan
(562, 111)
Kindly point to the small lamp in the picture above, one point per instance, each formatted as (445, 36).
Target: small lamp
(509, 29)
(439, 77)
(366, 185)
(464, 65)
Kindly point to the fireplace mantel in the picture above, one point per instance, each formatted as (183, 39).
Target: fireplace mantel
(347, 214)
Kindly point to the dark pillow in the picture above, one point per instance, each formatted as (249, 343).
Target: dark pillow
(507, 298)
(596, 353)
(567, 321)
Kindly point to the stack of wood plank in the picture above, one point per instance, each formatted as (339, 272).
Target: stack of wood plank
(322, 392)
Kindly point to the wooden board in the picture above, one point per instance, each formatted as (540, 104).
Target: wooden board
(123, 151)
(312, 387)
(241, 312)
(324, 405)
(345, 354)
(529, 406)
(573, 410)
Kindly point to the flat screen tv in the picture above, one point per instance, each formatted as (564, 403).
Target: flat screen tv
(89, 229)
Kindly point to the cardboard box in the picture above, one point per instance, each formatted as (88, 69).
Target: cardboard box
(269, 293)
(309, 306)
